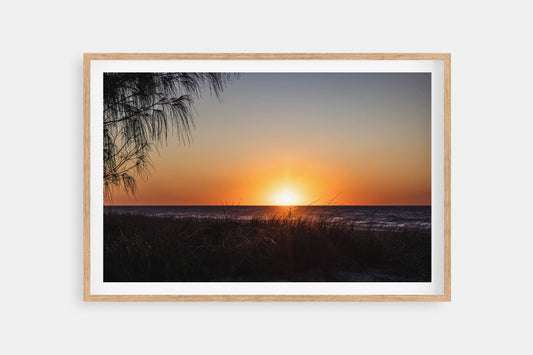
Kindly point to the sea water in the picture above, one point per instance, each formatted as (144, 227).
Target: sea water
(360, 217)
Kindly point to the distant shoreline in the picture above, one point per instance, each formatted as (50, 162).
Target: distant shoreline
(333, 205)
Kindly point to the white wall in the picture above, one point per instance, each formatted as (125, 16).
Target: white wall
(41, 309)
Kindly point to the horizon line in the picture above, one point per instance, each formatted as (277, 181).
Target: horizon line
(331, 205)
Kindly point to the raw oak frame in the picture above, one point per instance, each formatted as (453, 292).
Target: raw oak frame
(88, 57)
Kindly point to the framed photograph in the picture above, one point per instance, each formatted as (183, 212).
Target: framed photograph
(267, 177)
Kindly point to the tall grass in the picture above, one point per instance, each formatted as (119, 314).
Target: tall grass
(141, 248)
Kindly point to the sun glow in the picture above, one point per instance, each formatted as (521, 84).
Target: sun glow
(286, 198)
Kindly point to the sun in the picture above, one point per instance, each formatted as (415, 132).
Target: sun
(286, 198)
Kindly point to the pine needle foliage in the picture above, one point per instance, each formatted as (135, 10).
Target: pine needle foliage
(140, 109)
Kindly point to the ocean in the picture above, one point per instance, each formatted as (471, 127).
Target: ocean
(360, 217)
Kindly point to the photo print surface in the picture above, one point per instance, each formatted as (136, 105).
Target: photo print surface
(267, 177)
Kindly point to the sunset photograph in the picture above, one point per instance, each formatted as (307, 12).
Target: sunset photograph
(267, 177)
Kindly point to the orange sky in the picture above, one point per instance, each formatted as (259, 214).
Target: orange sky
(348, 139)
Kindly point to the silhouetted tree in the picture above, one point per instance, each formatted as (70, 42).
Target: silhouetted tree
(139, 110)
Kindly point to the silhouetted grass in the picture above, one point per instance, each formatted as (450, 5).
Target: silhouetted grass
(141, 248)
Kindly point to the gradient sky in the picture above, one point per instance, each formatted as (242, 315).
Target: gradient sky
(320, 138)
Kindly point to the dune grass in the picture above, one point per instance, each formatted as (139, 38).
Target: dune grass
(140, 248)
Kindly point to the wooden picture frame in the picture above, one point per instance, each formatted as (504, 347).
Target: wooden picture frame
(441, 59)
